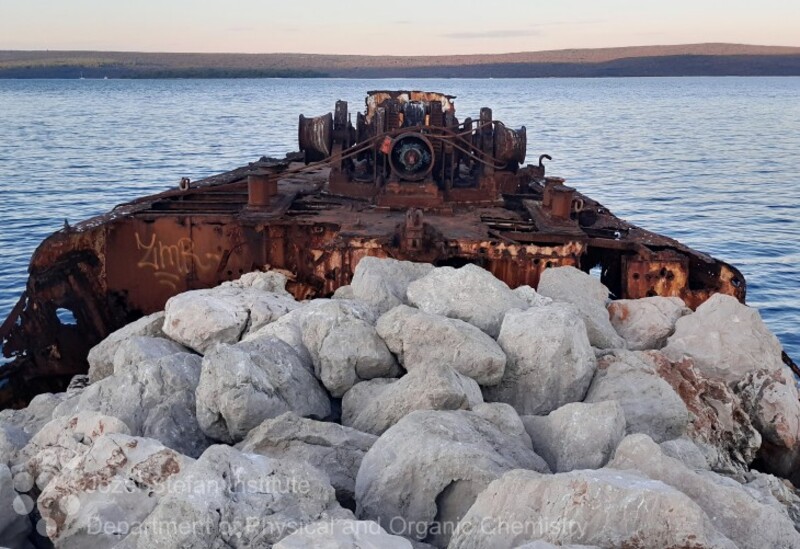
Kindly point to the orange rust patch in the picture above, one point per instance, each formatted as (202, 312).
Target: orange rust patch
(618, 310)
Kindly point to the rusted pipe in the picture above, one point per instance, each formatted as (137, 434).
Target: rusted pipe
(562, 198)
(260, 188)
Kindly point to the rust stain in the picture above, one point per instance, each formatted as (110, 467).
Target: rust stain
(157, 468)
(618, 311)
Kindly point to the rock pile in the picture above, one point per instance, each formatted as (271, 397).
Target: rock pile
(419, 407)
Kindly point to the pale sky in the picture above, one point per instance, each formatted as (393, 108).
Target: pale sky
(396, 28)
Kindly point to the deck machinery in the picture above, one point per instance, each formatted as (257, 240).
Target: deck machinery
(409, 180)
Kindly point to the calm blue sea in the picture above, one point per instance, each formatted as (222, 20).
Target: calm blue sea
(714, 162)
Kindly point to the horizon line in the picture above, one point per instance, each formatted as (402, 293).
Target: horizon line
(558, 50)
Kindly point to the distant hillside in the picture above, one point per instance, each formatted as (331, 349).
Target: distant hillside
(684, 60)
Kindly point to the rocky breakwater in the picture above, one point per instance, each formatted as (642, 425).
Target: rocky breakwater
(419, 407)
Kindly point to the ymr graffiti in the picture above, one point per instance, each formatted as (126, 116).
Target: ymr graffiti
(170, 261)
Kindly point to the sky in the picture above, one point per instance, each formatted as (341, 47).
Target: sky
(442, 27)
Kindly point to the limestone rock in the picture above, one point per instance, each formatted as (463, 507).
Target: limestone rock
(531, 296)
(12, 440)
(650, 403)
(420, 339)
(353, 352)
(771, 490)
(236, 500)
(116, 484)
(603, 507)
(61, 441)
(242, 385)
(306, 328)
(14, 523)
(317, 317)
(726, 339)
(687, 452)
(550, 362)
(383, 282)
(359, 397)
(330, 447)
(36, 415)
(428, 468)
(201, 319)
(383, 405)
(719, 424)
(287, 329)
(101, 356)
(726, 503)
(770, 397)
(272, 282)
(646, 323)
(469, 293)
(577, 435)
(505, 417)
(137, 349)
(343, 534)
(344, 292)
(587, 293)
(155, 399)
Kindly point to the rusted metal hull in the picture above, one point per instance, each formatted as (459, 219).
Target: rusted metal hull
(315, 223)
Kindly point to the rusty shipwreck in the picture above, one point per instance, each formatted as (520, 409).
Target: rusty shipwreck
(407, 179)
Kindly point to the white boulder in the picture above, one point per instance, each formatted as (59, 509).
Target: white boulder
(726, 339)
(687, 452)
(272, 282)
(505, 417)
(422, 475)
(62, 440)
(725, 501)
(420, 339)
(104, 494)
(549, 360)
(587, 293)
(333, 448)
(137, 349)
(531, 296)
(235, 500)
(381, 405)
(603, 507)
(470, 293)
(101, 356)
(770, 397)
(650, 403)
(317, 318)
(577, 435)
(646, 323)
(155, 398)
(242, 385)
(36, 415)
(287, 329)
(201, 319)
(352, 352)
(718, 421)
(383, 282)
